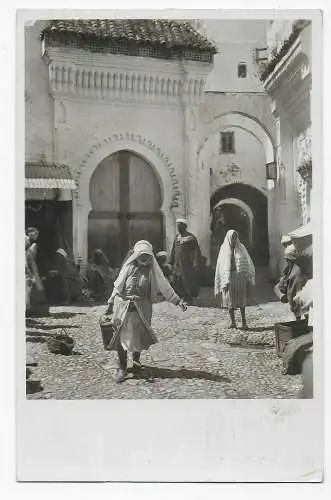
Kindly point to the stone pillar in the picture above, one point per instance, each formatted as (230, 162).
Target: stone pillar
(289, 217)
(80, 232)
(197, 189)
(191, 168)
(170, 228)
(273, 206)
(203, 196)
(196, 194)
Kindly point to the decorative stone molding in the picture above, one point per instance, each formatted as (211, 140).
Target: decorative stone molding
(230, 171)
(141, 140)
(302, 194)
(304, 147)
(279, 49)
(290, 69)
(107, 79)
(305, 169)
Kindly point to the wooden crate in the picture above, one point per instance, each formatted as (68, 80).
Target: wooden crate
(289, 330)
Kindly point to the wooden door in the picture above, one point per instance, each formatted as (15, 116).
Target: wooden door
(126, 198)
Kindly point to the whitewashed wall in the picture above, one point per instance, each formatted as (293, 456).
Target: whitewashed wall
(290, 89)
(39, 130)
(249, 115)
(248, 160)
(237, 42)
(104, 103)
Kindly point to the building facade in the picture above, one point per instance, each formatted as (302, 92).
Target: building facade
(130, 124)
(237, 136)
(287, 78)
(118, 101)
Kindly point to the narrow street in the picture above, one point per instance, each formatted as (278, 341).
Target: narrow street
(197, 355)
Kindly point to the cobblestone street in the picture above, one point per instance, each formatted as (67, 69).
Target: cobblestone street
(197, 355)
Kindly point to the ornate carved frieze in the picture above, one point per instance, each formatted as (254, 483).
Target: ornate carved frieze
(123, 82)
(304, 159)
(305, 170)
(303, 200)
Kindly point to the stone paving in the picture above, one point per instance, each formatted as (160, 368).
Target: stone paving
(197, 355)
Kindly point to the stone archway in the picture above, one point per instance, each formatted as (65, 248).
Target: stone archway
(251, 125)
(142, 147)
(257, 202)
(245, 122)
(244, 207)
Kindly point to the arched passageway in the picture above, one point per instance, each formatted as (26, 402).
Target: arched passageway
(233, 216)
(126, 199)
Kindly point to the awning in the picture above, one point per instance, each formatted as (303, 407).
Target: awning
(48, 176)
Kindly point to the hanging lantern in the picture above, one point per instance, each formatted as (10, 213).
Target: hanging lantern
(271, 168)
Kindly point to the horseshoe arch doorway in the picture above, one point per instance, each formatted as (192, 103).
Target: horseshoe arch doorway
(126, 198)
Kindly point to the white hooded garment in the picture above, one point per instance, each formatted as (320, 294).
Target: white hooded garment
(158, 285)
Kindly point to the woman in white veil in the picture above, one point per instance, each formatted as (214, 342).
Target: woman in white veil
(139, 282)
(234, 276)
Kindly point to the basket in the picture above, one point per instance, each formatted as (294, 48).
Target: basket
(61, 344)
(107, 330)
(290, 330)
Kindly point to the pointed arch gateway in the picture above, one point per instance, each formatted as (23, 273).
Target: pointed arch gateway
(125, 177)
(261, 205)
(244, 121)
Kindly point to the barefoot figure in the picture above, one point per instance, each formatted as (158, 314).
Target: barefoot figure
(234, 276)
(139, 281)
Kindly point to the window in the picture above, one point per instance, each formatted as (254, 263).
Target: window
(242, 70)
(227, 142)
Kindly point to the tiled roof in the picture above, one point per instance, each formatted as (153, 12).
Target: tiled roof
(48, 176)
(166, 34)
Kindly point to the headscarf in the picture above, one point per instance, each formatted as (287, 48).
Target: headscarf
(159, 284)
(161, 254)
(242, 260)
(291, 253)
(182, 220)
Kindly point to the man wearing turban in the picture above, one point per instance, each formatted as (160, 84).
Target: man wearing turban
(185, 259)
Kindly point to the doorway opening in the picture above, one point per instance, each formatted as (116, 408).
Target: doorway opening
(126, 199)
(245, 209)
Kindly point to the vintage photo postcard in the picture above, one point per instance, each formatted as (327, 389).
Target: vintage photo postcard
(172, 250)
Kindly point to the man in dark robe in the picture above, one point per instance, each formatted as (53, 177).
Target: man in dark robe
(185, 259)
